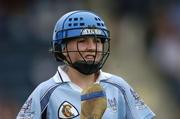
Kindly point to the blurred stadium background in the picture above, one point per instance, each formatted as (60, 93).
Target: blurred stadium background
(145, 45)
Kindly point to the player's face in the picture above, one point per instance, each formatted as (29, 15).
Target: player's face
(87, 48)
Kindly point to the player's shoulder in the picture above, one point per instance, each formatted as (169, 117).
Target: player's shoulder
(46, 86)
(48, 83)
(116, 80)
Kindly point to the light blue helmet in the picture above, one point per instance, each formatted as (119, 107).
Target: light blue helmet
(77, 24)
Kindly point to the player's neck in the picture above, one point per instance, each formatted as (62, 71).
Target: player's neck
(80, 79)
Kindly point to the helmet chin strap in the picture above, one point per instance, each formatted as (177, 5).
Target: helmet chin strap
(86, 67)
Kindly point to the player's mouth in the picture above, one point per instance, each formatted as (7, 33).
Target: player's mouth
(90, 57)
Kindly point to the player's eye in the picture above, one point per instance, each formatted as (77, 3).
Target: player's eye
(98, 40)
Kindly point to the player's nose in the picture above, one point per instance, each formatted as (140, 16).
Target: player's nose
(91, 44)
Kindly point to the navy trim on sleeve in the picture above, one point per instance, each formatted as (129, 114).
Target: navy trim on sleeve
(45, 100)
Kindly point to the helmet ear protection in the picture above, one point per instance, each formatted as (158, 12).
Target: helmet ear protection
(58, 55)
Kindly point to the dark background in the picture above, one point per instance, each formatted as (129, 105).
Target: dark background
(145, 45)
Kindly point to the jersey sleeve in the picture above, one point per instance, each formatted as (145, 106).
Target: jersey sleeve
(36, 104)
(31, 108)
(135, 106)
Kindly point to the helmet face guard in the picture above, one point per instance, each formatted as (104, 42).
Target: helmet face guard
(81, 24)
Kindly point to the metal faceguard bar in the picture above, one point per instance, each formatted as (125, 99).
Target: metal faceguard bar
(104, 52)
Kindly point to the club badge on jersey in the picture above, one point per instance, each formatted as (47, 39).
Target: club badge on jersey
(67, 111)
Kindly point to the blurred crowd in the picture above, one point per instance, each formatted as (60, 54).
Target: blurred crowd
(145, 45)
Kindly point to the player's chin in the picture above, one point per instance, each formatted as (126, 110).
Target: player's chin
(92, 61)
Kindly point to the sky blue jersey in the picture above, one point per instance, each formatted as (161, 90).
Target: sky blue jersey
(59, 98)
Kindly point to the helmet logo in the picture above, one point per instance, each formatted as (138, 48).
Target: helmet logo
(91, 31)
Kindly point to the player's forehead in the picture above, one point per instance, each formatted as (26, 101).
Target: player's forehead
(86, 38)
(77, 40)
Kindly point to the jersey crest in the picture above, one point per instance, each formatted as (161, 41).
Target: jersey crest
(113, 104)
(67, 111)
